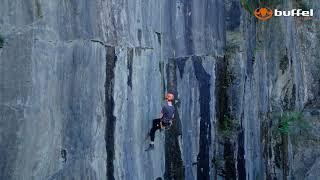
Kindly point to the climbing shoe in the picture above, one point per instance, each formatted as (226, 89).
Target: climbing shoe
(151, 147)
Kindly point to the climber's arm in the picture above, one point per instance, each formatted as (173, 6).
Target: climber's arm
(161, 113)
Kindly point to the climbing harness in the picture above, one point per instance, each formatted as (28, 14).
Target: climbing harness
(165, 127)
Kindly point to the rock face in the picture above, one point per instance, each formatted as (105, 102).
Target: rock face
(82, 80)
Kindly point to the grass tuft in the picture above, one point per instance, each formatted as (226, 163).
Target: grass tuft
(290, 120)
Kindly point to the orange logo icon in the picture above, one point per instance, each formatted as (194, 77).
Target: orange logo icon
(263, 13)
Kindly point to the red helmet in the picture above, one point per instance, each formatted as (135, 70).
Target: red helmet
(169, 97)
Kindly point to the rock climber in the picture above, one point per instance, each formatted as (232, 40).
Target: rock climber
(165, 120)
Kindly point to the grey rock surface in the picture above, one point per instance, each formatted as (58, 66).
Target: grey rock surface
(81, 81)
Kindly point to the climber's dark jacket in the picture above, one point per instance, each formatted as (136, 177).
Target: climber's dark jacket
(168, 113)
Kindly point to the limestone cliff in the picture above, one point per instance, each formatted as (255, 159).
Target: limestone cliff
(81, 81)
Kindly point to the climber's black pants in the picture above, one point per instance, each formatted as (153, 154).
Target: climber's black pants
(155, 126)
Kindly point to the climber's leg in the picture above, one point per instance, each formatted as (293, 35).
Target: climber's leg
(155, 126)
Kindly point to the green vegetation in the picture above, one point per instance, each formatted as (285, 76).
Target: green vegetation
(233, 44)
(231, 48)
(258, 49)
(228, 76)
(251, 5)
(218, 163)
(1, 41)
(38, 8)
(301, 4)
(228, 126)
(228, 79)
(290, 120)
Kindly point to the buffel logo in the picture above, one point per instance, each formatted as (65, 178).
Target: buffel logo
(266, 13)
(263, 13)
